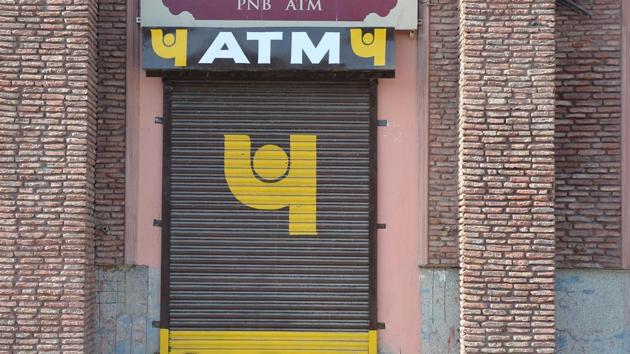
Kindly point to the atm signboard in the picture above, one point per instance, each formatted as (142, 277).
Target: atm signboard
(265, 49)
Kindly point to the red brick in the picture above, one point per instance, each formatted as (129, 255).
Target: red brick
(506, 61)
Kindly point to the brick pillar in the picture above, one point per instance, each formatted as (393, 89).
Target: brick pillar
(506, 176)
(47, 148)
(110, 153)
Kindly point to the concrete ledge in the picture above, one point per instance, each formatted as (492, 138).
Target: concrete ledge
(592, 311)
(439, 306)
(127, 303)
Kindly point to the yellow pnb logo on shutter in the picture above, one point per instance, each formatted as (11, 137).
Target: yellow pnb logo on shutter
(273, 181)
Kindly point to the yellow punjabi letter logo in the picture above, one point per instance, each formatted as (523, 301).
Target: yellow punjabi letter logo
(170, 46)
(278, 182)
(370, 45)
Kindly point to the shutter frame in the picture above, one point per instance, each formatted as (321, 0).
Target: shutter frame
(170, 98)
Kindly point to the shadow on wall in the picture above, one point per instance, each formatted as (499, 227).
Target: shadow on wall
(593, 311)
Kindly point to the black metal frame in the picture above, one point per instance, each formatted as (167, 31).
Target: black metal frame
(373, 222)
(166, 207)
(270, 75)
(166, 172)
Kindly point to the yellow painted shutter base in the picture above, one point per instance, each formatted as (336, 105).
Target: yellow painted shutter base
(228, 342)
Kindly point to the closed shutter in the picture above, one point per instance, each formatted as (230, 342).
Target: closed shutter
(242, 272)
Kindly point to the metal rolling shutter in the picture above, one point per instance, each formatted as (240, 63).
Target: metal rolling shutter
(233, 268)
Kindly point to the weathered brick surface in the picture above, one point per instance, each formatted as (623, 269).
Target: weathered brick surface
(506, 171)
(110, 148)
(47, 153)
(443, 78)
(588, 136)
(588, 141)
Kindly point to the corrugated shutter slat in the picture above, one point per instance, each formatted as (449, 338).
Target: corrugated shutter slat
(236, 268)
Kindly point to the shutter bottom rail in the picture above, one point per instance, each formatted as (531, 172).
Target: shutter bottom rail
(267, 342)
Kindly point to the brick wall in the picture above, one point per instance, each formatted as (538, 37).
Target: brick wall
(588, 126)
(47, 153)
(506, 176)
(443, 86)
(588, 136)
(110, 153)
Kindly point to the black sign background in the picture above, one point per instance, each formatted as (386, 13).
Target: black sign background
(200, 39)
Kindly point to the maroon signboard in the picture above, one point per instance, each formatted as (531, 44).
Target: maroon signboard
(401, 14)
(287, 10)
